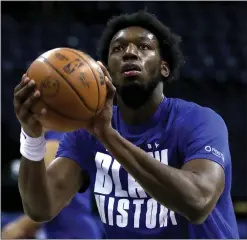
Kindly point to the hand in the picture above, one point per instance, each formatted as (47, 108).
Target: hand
(16, 231)
(101, 124)
(25, 96)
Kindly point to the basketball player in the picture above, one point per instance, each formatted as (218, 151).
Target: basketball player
(159, 167)
(74, 221)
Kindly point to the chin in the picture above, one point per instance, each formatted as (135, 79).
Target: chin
(134, 83)
(134, 95)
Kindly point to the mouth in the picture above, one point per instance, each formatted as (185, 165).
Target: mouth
(130, 69)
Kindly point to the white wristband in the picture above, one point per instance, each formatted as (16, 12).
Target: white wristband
(32, 148)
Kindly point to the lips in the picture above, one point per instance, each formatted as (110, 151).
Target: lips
(130, 67)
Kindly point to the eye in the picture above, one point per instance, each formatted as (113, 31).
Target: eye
(117, 49)
(144, 46)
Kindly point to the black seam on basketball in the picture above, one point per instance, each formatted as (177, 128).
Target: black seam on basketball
(69, 50)
(80, 97)
(60, 113)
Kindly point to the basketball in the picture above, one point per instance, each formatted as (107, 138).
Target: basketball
(72, 87)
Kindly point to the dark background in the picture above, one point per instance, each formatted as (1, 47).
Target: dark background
(215, 74)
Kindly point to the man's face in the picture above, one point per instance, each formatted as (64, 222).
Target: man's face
(135, 64)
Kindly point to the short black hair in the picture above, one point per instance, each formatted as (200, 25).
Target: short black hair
(168, 41)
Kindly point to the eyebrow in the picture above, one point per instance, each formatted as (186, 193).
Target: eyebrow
(121, 39)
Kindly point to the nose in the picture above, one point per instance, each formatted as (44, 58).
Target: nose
(131, 53)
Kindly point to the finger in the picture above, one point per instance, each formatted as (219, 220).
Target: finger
(27, 84)
(105, 71)
(23, 82)
(110, 86)
(25, 109)
(23, 77)
(25, 91)
(111, 90)
(22, 95)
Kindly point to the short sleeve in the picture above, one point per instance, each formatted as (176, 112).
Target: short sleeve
(205, 136)
(76, 146)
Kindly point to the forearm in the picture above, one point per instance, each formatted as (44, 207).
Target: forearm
(173, 188)
(34, 190)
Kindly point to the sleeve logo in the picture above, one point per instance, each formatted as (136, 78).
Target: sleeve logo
(215, 152)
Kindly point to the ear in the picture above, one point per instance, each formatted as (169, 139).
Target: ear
(164, 69)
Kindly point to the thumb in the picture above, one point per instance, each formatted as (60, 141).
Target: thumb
(111, 90)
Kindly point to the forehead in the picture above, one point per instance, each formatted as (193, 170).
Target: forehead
(132, 34)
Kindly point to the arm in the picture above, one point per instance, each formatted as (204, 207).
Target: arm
(45, 193)
(199, 182)
(24, 227)
(51, 149)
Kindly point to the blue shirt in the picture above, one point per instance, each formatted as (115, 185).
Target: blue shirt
(178, 132)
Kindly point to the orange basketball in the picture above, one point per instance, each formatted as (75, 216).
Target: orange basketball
(72, 87)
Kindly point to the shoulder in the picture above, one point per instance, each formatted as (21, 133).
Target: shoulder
(204, 117)
(76, 138)
(78, 146)
(190, 115)
(202, 134)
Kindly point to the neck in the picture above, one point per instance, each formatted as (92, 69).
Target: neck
(142, 114)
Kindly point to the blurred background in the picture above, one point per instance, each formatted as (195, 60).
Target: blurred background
(215, 74)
